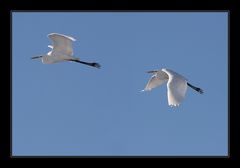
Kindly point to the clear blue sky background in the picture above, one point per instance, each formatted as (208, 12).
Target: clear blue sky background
(72, 109)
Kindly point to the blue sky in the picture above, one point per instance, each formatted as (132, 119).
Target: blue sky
(69, 109)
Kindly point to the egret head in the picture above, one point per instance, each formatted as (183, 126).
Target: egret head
(45, 59)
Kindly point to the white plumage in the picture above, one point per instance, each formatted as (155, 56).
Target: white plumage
(62, 51)
(62, 44)
(176, 85)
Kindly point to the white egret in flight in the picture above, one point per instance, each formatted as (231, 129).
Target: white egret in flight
(62, 51)
(176, 85)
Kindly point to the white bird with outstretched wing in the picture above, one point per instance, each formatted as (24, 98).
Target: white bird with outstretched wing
(62, 51)
(176, 85)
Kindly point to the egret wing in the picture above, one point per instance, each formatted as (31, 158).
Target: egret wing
(177, 87)
(156, 80)
(62, 43)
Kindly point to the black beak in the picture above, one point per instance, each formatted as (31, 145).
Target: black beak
(154, 71)
(36, 57)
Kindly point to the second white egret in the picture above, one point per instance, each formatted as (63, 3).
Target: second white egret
(176, 85)
(62, 51)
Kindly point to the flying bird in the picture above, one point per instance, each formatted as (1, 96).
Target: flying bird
(62, 51)
(176, 85)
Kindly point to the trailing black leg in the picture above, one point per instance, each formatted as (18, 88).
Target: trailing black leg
(93, 64)
(195, 88)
